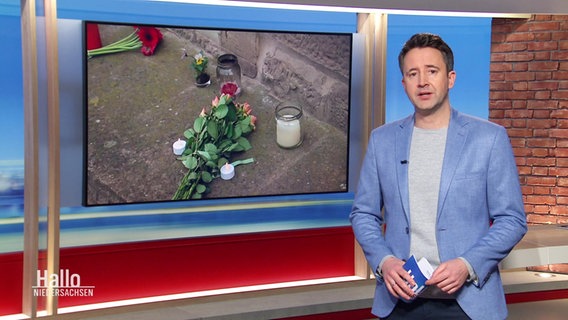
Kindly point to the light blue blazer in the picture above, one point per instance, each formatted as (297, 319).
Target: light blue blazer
(480, 207)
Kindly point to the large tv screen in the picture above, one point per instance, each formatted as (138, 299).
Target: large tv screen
(270, 116)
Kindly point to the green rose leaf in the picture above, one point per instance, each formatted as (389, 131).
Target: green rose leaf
(211, 148)
(190, 163)
(237, 132)
(200, 188)
(205, 155)
(206, 177)
(235, 147)
(221, 111)
(243, 142)
(245, 125)
(232, 113)
(230, 131)
(198, 124)
(190, 146)
(212, 129)
(224, 145)
(189, 133)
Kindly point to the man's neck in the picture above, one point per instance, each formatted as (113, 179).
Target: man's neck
(438, 120)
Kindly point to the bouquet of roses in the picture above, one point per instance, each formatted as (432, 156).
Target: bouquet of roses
(215, 135)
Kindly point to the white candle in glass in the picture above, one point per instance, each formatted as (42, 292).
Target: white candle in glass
(179, 147)
(288, 133)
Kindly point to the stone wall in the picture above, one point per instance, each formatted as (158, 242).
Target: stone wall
(310, 70)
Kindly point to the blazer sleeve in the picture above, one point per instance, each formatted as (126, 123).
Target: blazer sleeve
(366, 218)
(505, 207)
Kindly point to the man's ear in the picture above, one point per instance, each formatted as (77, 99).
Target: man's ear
(451, 79)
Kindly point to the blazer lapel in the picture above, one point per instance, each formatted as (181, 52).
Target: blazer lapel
(402, 150)
(457, 134)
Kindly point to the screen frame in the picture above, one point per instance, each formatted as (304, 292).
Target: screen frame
(349, 172)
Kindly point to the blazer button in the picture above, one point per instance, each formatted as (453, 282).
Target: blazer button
(406, 230)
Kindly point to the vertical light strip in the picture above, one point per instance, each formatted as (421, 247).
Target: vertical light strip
(53, 198)
(380, 70)
(366, 27)
(373, 26)
(31, 155)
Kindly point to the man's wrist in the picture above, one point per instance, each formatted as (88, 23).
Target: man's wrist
(472, 275)
(379, 271)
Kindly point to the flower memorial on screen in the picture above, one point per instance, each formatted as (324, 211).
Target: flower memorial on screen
(146, 38)
(216, 134)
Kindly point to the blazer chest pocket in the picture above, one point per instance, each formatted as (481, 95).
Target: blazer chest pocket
(469, 176)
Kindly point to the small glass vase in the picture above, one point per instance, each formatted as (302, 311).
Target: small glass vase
(229, 74)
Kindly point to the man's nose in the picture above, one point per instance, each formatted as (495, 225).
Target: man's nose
(422, 80)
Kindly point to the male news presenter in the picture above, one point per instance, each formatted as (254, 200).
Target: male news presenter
(442, 185)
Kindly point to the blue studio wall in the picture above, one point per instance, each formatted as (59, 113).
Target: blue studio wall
(470, 40)
(107, 224)
(12, 119)
(469, 37)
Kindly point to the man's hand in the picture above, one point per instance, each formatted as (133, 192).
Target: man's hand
(449, 276)
(398, 281)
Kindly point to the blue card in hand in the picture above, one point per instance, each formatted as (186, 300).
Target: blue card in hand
(420, 271)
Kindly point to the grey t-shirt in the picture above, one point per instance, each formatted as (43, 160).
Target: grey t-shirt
(424, 172)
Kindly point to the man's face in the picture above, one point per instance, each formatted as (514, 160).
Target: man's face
(426, 80)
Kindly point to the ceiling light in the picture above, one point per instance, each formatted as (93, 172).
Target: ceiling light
(312, 7)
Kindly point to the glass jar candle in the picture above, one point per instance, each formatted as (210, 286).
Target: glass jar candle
(229, 74)
(289, 126)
